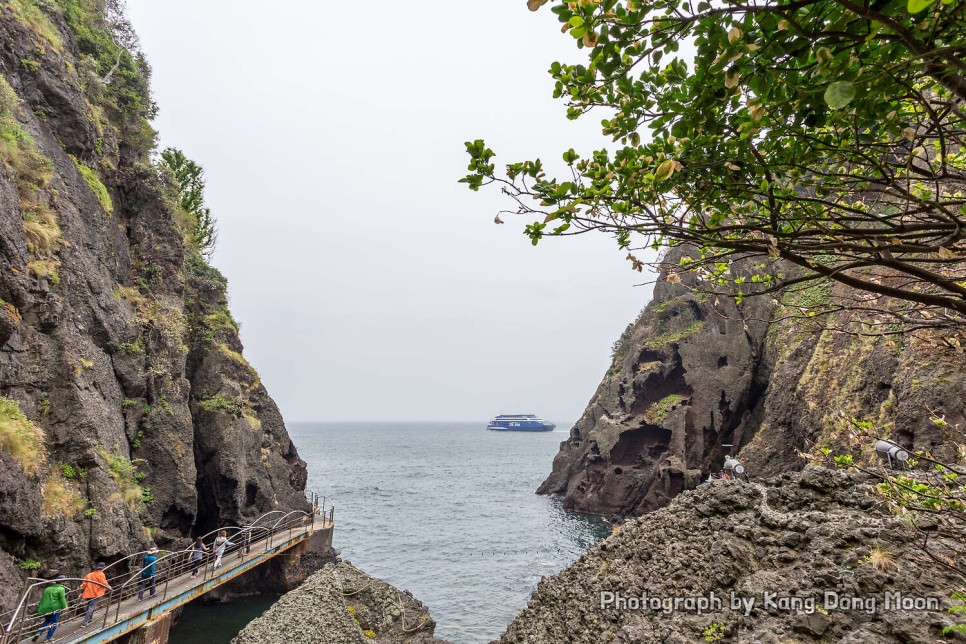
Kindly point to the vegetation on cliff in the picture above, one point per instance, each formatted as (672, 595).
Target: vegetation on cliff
(113, 326)
(20, 438)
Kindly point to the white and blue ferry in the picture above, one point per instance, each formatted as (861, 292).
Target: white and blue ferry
(520, 423)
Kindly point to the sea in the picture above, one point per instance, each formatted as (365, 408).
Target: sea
(445, 510)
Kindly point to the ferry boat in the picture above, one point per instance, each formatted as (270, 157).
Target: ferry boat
(520, 423)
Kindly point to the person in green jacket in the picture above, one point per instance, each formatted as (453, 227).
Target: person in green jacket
(51, 603)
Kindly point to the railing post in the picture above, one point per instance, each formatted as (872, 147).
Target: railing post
(23, 593)
(23, 615)
(107, 609)
(167, 576)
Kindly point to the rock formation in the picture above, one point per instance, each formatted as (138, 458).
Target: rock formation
(697, 377)
(782, 544)
(340, 603)
(128, 415)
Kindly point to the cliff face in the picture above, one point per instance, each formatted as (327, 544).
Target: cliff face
(128, 415)
(695, 374)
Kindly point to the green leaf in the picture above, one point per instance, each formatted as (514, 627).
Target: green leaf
(576, 21)
(839, 94)
(915, 6)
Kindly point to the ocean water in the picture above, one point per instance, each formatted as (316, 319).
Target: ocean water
(445, 510)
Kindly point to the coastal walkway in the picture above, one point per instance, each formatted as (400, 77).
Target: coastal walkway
(119, 611)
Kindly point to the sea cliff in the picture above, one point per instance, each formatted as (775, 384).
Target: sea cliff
(128, 414)
(700, 376)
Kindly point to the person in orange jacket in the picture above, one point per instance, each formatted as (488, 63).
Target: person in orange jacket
(93, 588)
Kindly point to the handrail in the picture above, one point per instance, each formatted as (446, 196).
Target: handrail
(267, 514)
(289, 514)
(168, 566)
(44, 582)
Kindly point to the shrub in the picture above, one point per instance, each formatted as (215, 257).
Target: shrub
(166, 406)
(129, 293)
(67, 471)
(659, 411)
(42, 233)
(131, 347)
(671, 337)
(96, 185)
(881, 559)
(115, 76)
(19, 153)
(253, 420)
(59, 497)
(45, 269)
(28, 564)
(20, 438)
(713, 632)
(213, 323)
(166, 319)
(215, 404)
(27, 13)
(201, 233)
(125, 473)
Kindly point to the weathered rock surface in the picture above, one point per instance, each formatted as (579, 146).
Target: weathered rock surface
(799, 535)
(115, 337)
(341, 604)
(695, 374)
(684, 378)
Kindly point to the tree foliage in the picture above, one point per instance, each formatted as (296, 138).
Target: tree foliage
(822, 137)
(191, 196)
(119, 78)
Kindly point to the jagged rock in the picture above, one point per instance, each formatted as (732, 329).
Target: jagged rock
(695, 373)
(682, 382)
(797, 535)
(341, 604)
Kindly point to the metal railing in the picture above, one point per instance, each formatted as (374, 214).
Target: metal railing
(130, 576)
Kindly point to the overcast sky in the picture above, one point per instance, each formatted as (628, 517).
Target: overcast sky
(370, 285)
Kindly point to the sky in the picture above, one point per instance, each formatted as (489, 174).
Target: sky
(368, 283)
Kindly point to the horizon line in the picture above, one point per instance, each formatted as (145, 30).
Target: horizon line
(473, 420)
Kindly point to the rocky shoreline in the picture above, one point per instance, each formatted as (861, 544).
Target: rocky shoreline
(779, 546)
(340, 603)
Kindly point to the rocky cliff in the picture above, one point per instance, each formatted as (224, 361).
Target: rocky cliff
(128, 415)
(697, 377)
(811, 556)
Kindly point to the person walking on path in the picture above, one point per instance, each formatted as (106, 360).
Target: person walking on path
(198, 550)
(51, 603)
(221, 542)
(148, 570)
(92, 589)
